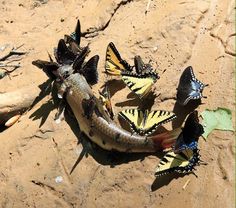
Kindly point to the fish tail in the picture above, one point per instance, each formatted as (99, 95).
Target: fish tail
(165, 140)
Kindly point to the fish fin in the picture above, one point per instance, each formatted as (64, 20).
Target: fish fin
(60, 115)
(89, 70)
(165, 140)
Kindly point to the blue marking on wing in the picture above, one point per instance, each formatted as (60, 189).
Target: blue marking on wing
(181, 145)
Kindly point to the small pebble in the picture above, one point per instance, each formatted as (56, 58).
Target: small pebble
(58, 179)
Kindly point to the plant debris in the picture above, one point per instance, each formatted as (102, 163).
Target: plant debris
(220, 119)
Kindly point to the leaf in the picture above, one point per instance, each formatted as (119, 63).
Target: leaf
(220, 119)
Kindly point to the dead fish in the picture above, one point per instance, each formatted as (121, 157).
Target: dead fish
(94, 121)
(74, 81)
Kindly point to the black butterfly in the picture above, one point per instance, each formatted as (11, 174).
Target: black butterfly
(63, 54)
(73, 41)
(188, 138)
(189, 87)
(141, 67)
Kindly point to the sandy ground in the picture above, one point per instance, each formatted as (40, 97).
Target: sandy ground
(173, 35)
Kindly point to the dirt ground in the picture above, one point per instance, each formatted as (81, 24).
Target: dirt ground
(36, 160)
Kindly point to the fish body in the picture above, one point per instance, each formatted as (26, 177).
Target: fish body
(102, 130)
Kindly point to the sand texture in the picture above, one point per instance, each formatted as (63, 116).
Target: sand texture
(37, 155)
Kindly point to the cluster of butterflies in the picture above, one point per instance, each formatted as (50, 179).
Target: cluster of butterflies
(140, 78)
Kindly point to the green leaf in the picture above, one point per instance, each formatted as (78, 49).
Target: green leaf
(220, 119)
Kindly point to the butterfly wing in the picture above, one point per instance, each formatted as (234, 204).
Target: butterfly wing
(77, 34)
(182, 162)
(140, 84)
(50, 68)
(106, 101)
(134, 117)
(89, 70)
(78, 62)
(189, 87)
(114, 63)
(188, 139)
(140, 67)
(63, 54)
(156, 118)
(146, 122)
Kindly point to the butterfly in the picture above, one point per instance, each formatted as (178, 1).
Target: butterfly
(115, 65)
(73, 40)
(89, 70)
(140, 81)
(145, 122)
(189, 87)
(182, 162)
(63, 54)
(49, 67)
(106, 101)
(140, 84)
(188, 138)
(141, 67)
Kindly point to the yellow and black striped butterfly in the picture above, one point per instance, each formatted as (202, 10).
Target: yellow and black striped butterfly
(182, 162)
(115, 65)
(140, 84)
(145, 122)
(106, 101)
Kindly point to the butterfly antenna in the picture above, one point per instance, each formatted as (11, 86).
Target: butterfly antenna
(201, 162)
(195, 173)
(50, 57)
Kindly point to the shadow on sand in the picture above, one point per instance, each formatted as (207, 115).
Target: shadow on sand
(182, 112)
(102, 156)
(165, 180)
(43, 112)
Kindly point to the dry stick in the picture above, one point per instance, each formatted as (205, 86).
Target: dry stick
(16, 102)
(185, 185)
(148, 5)
(13, 52)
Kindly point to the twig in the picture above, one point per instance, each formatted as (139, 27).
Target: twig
(16, 102)
(148, 5)
(13, 60)
(13, 52)
(185, 185)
